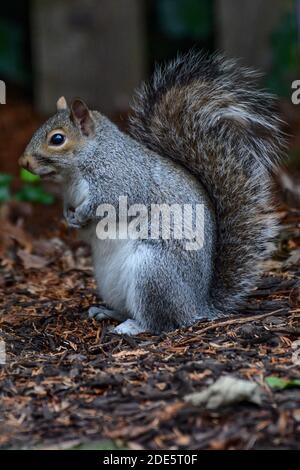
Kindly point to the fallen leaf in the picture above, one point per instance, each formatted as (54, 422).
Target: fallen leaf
(280, 384)
(32, 261)
(12, 233)
(226, 391)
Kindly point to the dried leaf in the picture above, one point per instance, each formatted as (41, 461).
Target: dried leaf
(226, 391)
(31, 261)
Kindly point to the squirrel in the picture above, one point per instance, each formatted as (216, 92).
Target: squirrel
(201, 133)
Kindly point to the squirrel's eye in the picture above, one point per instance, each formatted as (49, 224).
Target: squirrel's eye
(57, 139)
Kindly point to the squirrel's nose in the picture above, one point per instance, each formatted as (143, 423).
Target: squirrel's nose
(26, 161)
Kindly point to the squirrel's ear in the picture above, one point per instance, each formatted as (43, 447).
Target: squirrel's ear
(81, 116)
(61, 104)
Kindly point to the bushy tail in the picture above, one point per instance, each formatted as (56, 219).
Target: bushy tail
(206, 113)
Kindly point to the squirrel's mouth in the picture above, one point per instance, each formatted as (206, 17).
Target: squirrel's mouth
(30, 163)
(48, 174)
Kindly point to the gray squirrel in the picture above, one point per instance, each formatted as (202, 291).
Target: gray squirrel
(200, 133)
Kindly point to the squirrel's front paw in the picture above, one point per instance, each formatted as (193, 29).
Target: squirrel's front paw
(72, 218)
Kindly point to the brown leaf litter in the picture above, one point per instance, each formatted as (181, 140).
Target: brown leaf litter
(69, 379)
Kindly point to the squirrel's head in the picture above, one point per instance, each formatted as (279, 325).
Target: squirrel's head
(55, 145)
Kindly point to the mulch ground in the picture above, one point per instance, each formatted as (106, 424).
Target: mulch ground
(67, 380)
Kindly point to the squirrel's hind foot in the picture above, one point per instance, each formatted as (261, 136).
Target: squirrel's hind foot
(129, 327)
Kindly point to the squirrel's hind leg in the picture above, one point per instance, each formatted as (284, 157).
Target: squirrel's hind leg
(127, 327)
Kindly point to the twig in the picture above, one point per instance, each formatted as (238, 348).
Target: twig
(239, 320)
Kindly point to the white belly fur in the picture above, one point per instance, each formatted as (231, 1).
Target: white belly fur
(75, 192)
(115, 266)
